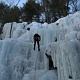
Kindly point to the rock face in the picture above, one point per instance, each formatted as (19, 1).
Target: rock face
(18, 60)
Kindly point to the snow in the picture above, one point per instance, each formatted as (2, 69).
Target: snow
(18, 60)
(34, 25)
(45, 25)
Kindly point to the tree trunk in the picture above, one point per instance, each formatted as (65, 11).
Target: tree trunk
(11, 29)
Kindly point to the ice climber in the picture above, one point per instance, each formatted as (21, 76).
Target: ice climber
(51, 67)
(37, 38)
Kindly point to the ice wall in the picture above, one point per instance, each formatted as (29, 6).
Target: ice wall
(18, 60)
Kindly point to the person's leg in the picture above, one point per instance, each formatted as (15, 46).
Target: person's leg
(51, 66)
(34, 44)
(38, 46)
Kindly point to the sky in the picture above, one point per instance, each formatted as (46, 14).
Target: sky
(14, 2)
(21, 3)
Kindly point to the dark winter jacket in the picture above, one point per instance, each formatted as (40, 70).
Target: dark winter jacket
(37, 37)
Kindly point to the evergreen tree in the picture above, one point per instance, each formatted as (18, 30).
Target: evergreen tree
(4, 8)
(8, 14)
(31, 11)
(14, 14)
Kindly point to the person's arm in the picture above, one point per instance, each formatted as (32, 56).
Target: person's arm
(40, 37)
(48, 56)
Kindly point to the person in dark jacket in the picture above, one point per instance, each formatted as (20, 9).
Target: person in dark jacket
(50, 61)
(37, 38)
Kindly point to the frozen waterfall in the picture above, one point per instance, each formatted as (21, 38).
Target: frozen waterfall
(18, 60)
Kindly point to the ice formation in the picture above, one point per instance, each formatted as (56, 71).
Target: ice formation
(18, 60)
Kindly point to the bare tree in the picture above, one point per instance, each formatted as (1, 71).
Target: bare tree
(12, 22)
(45, 4)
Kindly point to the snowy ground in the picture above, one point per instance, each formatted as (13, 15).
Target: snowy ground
(18, 60)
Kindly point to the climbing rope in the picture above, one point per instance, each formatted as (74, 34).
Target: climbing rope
(50, 47)
(35, 67)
